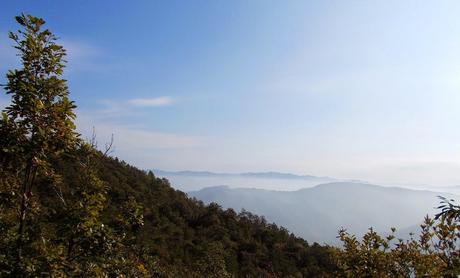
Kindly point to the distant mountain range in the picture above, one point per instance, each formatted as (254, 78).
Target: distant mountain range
(268, 175)
(317, 213)
(195, 180)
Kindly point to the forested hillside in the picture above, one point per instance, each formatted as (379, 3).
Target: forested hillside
(184, 236)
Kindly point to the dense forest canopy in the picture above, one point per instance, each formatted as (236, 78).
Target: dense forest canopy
(69, 210)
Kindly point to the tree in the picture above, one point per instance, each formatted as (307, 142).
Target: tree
(52, 201)
(37, 126)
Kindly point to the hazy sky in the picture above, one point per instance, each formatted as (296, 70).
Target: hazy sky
(351, 89)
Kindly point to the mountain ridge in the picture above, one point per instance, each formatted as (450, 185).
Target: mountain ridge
(318, 212)
(263, 174)
(195, 180)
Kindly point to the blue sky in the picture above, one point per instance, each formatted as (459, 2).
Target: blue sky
(351, 89)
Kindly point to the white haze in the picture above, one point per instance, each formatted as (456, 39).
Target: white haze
(315, 208)
(191, 181)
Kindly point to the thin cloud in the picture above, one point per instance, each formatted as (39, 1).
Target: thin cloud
(122, 107)
(151, 102)
(135, 139)
(82, 56)
(79, 49)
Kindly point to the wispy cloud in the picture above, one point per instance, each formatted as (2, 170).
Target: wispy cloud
(132, 142)
(151, 102)
(122, 107)
(83, 56)
(79, 49)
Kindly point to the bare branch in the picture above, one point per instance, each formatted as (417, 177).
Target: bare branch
(108, 147)
(92, 141)
(60, 194)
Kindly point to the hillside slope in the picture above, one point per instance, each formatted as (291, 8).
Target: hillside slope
(185, 235)
(318, 213)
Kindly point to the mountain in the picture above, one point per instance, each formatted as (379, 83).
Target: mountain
(196, 180)
(278, 175)
(163, 173)
(317, 213)
(268, 175)
(188, 238)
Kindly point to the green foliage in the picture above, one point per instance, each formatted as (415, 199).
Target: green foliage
(212, 262)
(436, 253)
(49, 228)
(35, 129)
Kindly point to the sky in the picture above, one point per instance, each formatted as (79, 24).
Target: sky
(364, 90)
